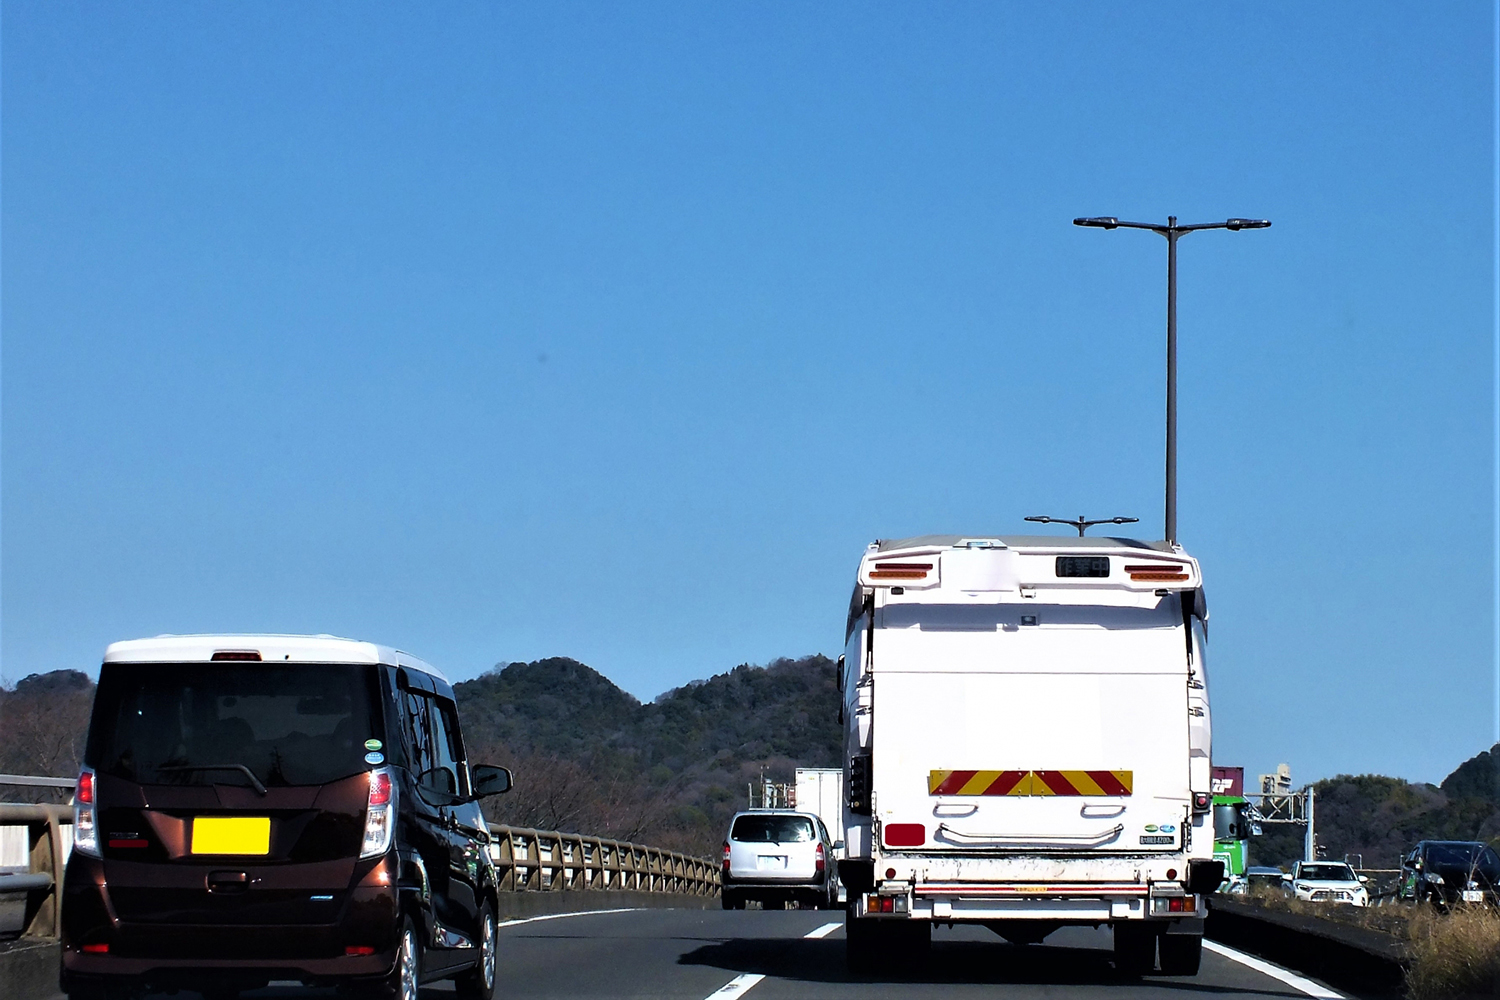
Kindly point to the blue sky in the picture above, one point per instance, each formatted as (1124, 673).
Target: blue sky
(511, 330)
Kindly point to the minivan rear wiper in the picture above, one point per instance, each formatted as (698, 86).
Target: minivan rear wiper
(254, 781)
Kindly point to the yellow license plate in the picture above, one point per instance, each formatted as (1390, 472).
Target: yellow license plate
(232, 835)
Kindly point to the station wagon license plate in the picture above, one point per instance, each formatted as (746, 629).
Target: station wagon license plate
(232, 835)
(771, 862)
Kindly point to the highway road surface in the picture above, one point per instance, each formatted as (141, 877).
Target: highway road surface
(781, 955)
(796, 954)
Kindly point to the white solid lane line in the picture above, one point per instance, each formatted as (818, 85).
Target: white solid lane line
(739, 985)
(1293, 980)
(559, 916)
(736, 986)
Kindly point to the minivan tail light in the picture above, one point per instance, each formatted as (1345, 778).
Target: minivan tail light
(819, 860)
(85, 834)
(380, 814)
(252, 655)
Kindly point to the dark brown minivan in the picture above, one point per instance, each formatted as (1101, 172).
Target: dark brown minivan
(256, 808)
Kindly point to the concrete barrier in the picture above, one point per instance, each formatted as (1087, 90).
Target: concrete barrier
(1360, 960)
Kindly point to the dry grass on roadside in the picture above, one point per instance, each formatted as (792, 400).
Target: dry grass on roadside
(1385, 919)
(1454, 954)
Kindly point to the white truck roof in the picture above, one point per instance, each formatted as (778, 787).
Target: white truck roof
(271, 648)
(999, 563)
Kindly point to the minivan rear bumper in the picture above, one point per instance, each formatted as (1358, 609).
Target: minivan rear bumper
(171, 954)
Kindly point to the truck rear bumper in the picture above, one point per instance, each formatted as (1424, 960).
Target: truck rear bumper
(1074, 903)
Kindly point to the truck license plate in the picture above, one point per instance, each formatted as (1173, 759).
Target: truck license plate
(771, 861)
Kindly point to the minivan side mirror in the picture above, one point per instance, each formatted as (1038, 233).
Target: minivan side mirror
(489, 779)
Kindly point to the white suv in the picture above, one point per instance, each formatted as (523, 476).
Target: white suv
(1327, 882)
(779, 856)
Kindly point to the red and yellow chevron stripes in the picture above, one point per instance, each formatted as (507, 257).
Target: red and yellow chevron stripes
(953, 782)
(979, 783)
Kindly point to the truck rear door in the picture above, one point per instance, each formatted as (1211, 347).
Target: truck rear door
(1025, 728)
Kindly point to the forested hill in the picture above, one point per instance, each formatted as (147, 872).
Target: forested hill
(589, 756)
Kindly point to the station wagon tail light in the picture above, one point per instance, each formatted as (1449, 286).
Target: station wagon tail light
(380, 814)
(900, 571)
(85, 834)
(1163, 572)
(820, 861)
(726, 855)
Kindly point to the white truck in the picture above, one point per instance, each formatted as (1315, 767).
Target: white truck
(820, 790)
(1027, 742)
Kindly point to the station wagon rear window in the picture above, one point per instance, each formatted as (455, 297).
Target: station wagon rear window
(200, 723)
(773, 830)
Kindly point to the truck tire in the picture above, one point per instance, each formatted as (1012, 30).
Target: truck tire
(1135, 949)
(1181, 954)
(861, 944)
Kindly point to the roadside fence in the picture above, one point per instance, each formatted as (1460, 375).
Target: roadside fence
(36, 839)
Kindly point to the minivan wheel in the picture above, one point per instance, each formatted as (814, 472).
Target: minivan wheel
(401, 982)
(479, 982)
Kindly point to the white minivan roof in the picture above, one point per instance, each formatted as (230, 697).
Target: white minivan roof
(271, 648)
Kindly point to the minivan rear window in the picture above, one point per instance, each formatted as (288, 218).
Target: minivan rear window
(772, 830)
(159, 724)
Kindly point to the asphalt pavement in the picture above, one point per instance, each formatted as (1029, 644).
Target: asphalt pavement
(799, 954)
(780, 955)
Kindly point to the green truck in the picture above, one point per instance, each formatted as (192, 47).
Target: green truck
(1234, 825)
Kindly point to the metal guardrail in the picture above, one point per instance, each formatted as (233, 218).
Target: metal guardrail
(35, 781)
(526, 860)
(530, 860)
(46, 857)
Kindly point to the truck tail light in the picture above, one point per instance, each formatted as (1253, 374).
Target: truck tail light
(1201, 801)
(1158, 573)
(905, 835)
(820, 861)
(900, 571)
(85, 834)
(380, 814)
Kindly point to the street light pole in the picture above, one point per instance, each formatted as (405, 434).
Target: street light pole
(1171, 511)
(1172, 231)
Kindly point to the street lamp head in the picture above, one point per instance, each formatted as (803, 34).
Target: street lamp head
(1102, 222)
(1237, 224)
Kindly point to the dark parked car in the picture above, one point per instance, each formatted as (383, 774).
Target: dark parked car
(257, 808)
(1445, 872)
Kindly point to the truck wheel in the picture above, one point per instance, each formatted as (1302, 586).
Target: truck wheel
(1180, 954)
(861, 944)
(1135, 949)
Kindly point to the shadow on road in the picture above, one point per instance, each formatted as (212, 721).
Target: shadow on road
(951, 962)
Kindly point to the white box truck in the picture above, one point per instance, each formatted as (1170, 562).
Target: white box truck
(820, 790)
(1027, 744)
